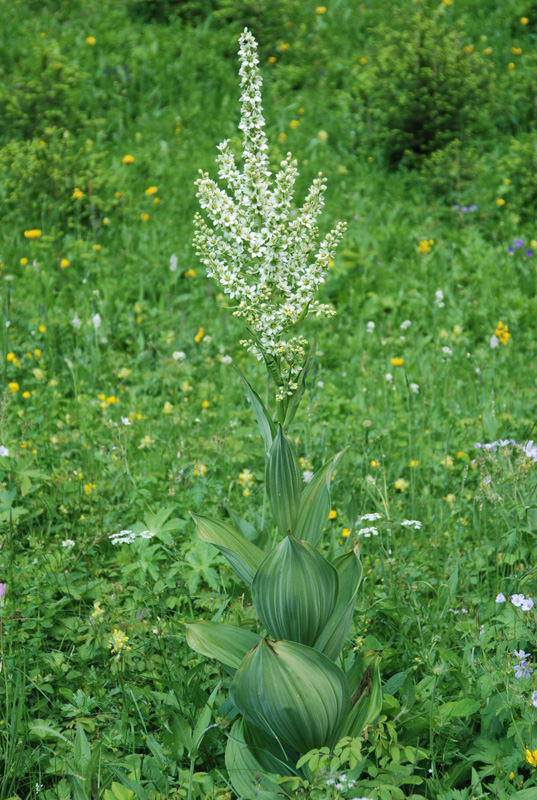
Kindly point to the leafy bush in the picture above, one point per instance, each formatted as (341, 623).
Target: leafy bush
(421, 88)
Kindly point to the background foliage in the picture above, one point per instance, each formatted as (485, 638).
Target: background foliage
(120, 410)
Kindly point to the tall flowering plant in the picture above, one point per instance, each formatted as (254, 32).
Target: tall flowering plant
(290, 692)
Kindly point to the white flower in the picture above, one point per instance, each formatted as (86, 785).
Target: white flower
(96, 320)
(76, 322)
(521, 654)
(125, 421)
(411, 523)
(4, 452)
(389, 376)
(68, 543)
(370, 327)
(494, 341)
(527, 604)
(447, 351)
(406, 324)
(370, 517)
(534, 699)
(173, 263)
(530, 449)
(439, 298)
(367, 532)
(517, 600)
(178, 355)
(123, 537)
(226, 360)
(307, 476)
(414, 387)
(500, 598)
(262, 254)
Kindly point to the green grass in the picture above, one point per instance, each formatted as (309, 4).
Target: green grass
(78, 721)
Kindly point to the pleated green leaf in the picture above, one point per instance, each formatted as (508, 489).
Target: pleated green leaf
(293, 693)
(265, 424)
(272, 755)
(246, 774)
(367, 701)
(315, 503)
(227, 643)
(284, 482)
(332, 636)
(295, 591)
(243, 556)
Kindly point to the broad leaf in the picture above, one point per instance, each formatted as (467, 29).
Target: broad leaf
(367, 701)
(304, 699)
(243, 556)
(315, 503)
(246, 773)
(284, 482)
(332, 637)
(227, 643)
(266, 426)
(295, 591)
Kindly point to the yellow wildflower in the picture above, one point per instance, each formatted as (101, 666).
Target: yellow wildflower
(284, 46)
(199, 336)
(145, 442)
(118, 642)
(168, 407)
(346, 533)
(294, 123)
(468, 48)
(282, 137)
(510, 66)
(128, 159)
(35, 233)
(111, 400)
(11, 357)
(424, 246)
(332, 514)
(450, 498)
(200, 470)
(323, 136)
(447, 462)
(272, 59)
(524, 20)
(414, 463)
(190, 273)
(14, 386)
(88, 487)
(39, 374)
(42, 328)
(401, 484)
(124, 372)
(96, 247)
(26, 395)
(531, 758)
(118, 195)
(98, 612)
(91, 40)
(144, 216)
(447, 2)
(64, 263)
(320, 10)
(151, 190)
(500, 201)
(205, 404)
(375, 463)
(502, 332)
(516, 51)
(487, 51)
(363, 61)
(78, 193)
(397, 362)
(23, 262)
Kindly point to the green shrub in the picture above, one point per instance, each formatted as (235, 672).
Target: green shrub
(422, 87)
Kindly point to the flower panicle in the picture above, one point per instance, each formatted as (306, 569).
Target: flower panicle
(255, 243)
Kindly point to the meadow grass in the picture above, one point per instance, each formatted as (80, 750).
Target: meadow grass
(120, 409)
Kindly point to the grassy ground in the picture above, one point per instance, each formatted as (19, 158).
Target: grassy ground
(120, 409)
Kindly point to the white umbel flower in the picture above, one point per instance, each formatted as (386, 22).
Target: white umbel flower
(261, 253)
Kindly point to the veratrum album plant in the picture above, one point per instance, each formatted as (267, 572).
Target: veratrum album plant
(290, 692)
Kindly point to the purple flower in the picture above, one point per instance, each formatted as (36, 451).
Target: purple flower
(534, 699)
(522, 670)
(518, 243)
(529, 252)
(472, 208)
(500, 598)
(511, 251)
(464, 209)
(3, 587)
(521, 655)
(456, 207)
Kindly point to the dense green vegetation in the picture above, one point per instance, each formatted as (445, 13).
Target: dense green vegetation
(120, 410)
